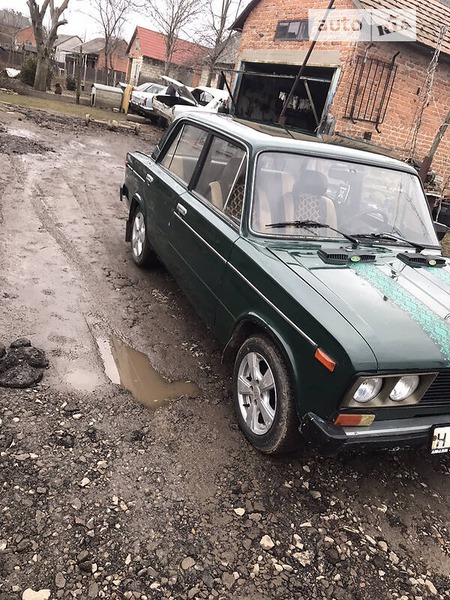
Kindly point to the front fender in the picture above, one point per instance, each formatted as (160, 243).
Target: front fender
(252, 323)
(136, 201)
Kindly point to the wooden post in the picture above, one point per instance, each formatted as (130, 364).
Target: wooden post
(79, 60)
(426, 163)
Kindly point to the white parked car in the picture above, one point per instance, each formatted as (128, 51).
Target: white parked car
(178, 99)
(141, 101)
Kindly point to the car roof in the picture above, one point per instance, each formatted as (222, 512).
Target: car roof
(280, 140)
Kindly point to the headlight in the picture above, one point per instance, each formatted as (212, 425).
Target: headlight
(368, 389)
(404, 387)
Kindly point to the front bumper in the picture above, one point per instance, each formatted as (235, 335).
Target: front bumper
(381, 435)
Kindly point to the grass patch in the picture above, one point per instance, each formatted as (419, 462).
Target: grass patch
(56, 106)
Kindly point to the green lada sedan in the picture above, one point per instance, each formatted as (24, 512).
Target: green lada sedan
(317, 267)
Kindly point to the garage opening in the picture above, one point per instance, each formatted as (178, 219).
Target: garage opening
(263, 88)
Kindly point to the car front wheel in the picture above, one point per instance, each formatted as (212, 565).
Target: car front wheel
(141, 251)
(263, 397)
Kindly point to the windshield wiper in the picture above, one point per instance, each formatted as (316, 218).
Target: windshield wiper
(315, 225)
(389, 236)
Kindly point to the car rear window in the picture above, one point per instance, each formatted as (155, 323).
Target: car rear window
(222, 179)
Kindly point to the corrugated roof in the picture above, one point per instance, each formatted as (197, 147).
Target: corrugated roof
(153, 45)
(93, 46)
(230, 49)
(63, 38)
(431, 15)
(96, 45)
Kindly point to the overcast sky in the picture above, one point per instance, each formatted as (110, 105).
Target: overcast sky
(79, 21)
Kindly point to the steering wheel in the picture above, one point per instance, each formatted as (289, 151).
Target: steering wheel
(379, 225)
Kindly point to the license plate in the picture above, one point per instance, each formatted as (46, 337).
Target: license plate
(440, 441)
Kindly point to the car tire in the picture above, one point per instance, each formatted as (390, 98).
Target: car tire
(268, 417)
(141, 251)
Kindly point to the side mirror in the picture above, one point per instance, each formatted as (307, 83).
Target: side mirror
(440, 229)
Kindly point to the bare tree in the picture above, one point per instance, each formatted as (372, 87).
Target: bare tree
(13, 20)
(171, 17)
(111, 16)
(217, 32)
(45, 38)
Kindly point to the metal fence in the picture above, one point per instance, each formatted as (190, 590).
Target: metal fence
(90, 75)
(12, 58)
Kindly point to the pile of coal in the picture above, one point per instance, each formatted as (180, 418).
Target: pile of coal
(21, 365)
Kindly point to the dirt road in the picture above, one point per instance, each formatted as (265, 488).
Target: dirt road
(102, 497)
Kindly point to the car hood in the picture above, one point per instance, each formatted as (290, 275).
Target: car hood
(181, 89)
(402, 312)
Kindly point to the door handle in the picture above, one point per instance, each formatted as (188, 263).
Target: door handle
(181, 210)
(149, 179)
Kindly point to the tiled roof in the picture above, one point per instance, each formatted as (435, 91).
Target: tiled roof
(431, 15)
(153, 45)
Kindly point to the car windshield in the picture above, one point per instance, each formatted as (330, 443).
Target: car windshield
(355, 198)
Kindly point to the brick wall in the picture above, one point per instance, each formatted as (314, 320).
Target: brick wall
(406, 99)
(25, 37)
(151, 70)
(119, 58)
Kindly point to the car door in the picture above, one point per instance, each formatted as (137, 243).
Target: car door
(167, 181)
(206, 223)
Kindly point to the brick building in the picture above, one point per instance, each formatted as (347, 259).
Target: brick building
(373, 92)
(94, 68)
(146, 58)
(25, 38)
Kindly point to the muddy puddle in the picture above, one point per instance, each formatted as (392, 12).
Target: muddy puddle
(132, 370)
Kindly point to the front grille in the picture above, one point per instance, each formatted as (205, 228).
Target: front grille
(438, 394)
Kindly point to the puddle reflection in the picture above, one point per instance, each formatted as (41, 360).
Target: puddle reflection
(132, 369)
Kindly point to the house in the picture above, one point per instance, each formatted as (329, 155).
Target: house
(225, 61)
(64, 45)
(94, 67)
(146, 58)
(373, 91)
(25, 38)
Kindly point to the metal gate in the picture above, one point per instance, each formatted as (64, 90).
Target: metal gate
(370, 90)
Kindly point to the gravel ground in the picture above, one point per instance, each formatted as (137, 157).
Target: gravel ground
(102, 497)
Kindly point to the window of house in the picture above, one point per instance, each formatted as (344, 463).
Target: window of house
(222, 180)
(292, 30)
(182, 156)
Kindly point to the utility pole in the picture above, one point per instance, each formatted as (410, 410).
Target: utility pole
(426, 163)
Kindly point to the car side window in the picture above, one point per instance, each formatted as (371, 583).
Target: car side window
(222, 179)
(183, 153)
